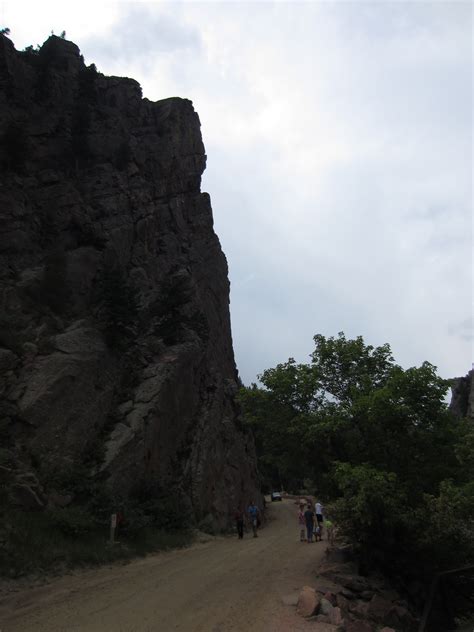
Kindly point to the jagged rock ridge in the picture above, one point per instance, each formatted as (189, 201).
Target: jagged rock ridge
(115, 341)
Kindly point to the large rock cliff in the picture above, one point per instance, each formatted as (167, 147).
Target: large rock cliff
(115, 343)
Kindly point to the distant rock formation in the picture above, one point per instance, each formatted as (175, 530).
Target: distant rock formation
(462, 402)
(115, 341)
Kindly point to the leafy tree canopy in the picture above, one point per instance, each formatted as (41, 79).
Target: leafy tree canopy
(377, 440)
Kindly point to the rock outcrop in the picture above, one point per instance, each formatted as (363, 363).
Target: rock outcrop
(342, 600)
(115, 342)
(462, 402)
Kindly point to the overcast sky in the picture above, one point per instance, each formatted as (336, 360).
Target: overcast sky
(339, 143)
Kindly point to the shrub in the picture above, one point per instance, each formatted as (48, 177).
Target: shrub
(72, 521)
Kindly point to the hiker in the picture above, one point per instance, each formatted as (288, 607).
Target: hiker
(319, 510)
(301, 523)
(239, 522)
(309, 519)
(254, 516)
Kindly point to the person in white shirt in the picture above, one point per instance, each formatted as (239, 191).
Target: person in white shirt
(318, 510)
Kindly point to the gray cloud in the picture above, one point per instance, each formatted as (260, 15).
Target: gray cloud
(339, 142)
(141, 34)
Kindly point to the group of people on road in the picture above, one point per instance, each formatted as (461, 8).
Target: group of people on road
(311, 522)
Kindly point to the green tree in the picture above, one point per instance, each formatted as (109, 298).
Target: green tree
(376, 439)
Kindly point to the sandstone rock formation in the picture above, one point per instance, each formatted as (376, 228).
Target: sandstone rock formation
(115, 342)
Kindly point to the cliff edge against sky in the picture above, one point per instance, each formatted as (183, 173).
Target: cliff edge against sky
(115, 343)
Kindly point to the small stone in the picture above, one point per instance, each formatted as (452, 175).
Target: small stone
(290, 600)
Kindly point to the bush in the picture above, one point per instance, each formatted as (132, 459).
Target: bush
(370, 512)
(72, 521)
(70, 537)
(151, 504)
(448, 521)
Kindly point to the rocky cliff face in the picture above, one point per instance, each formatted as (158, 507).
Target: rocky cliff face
(462, 402)
(115, 342)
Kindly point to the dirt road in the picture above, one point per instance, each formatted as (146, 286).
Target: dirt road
(225, 585)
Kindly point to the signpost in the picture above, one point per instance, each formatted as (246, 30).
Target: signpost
(113, 524)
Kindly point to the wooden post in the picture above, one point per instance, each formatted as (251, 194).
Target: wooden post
(113, 524)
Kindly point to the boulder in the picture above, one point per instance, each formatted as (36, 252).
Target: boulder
(308, 602)
(359, 609)
(325, 606)
(335, 616)
(331, 597)
(342, 602)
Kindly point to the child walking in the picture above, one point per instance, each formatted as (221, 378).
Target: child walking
(302, 524)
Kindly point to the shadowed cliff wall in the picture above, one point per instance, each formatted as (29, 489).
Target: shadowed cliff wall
(115, 342)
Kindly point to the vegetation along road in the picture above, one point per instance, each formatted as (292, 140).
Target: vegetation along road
(218, 586)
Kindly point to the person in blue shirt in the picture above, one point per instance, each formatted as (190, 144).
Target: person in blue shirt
(309, 519)
(253, 513)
